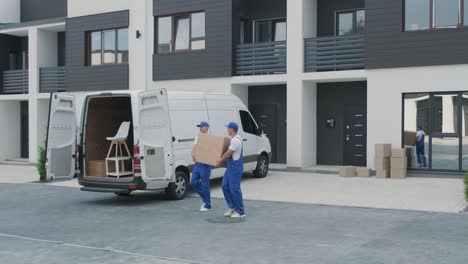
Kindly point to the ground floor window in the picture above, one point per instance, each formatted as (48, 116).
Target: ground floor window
(441, 123)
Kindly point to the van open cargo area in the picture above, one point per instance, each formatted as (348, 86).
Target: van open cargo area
(103, 117)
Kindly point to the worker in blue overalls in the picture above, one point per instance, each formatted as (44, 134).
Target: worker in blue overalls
(232, 177)
(201, 174)
(420, 137)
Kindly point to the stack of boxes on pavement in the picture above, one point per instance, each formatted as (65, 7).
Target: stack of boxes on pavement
(383, 153)
(399, 164)
(388, 163)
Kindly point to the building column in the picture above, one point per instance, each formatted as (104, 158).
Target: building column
(141, 48)
(301, 100)
(33, 91)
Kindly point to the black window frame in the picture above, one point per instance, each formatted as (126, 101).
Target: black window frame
(174, 32)
(429, 129)
(354, 12)
(252, 130)
(272, 22)
(88, 46)
(432, 27)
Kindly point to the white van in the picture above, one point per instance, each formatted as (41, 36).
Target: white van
(162, 132)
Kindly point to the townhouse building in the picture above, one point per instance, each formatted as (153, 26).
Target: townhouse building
(325, 79)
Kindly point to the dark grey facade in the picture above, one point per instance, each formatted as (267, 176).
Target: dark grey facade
(215, 60)
(7, 45)
(326, 17)
(387, 46)
(331, 140)
(61, 49)
(42, 9)
(90, 78)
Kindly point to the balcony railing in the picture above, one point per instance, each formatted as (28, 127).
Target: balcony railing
(261, 58)
(52, 79)
(335, 53)
(15, 82)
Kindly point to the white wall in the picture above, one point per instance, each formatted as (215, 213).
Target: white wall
(90, 7)
(10, 131)
(384, 98)
(218, 85)
(10, 11)
(42, 119)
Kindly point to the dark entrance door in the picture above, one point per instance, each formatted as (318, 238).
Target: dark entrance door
(24, 129)
(265, 115)
(355, 135)
(268, 106)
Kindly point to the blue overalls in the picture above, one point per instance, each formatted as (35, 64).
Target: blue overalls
(420, 152)
(201, 182)
(231, 183)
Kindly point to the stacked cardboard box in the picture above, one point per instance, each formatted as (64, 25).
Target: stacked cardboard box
(363, 172)
(383, 153)
(399, 164)
(348, 171)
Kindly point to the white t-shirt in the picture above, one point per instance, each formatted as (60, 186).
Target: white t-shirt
(236, 146)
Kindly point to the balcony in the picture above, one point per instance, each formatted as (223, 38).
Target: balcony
(52, 79)
(335, 53)
(15, 82)
(261, 58)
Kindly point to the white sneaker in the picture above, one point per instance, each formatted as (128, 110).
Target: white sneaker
(204, 209)
(229, 212)
(237, 215)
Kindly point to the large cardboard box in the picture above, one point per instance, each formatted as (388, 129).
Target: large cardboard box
(348, 171)
(398, 173)
(363, 172)
(399, 163)
(398, 153)
(383, 150)
(410, 138)
(381, 163)
(96, 168)
(383, 174)
(210, 149)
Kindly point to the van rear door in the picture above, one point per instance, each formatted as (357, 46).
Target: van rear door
(155, 135)
(61, 137)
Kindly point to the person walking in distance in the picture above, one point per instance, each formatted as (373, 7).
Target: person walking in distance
(232, 177)
(201, 174)
(420, 153)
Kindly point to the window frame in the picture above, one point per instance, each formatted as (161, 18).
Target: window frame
(88, 47)
(251, 120)
(271, 25)
(354, 13)
(432, 26)
(174, 32)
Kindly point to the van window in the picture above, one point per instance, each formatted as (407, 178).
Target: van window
(248, 124)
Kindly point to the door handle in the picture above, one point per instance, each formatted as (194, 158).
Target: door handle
(244, 139)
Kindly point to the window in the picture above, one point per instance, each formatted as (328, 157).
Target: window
(108, 46)
(433, 14)
(270, 30)
(443, 118)
(350, 22)
(181, 32)
(248, 124)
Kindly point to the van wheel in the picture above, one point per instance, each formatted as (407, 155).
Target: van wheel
(123, 194)
(262, 167)
(178, 189)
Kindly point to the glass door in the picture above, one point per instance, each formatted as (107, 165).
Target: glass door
(444, 138)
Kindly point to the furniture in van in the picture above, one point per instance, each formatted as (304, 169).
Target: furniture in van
(119, 157)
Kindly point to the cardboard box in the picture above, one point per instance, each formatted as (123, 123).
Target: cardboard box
(410, 138)
(399, 163)
(363, 172)
(348, 171)
(398, 173)
(383, 174)
(381, 163)
(398, 153)
(96, 168)
(210, 149)
(383, 150)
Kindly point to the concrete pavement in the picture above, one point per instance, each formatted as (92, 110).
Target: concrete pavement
(146, 228)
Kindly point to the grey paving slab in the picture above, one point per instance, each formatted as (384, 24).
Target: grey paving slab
(273, 232)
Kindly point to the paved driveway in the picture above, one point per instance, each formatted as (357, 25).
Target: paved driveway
(50, 224)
